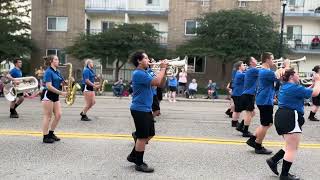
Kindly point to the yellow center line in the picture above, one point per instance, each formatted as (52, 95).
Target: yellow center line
(156, 138)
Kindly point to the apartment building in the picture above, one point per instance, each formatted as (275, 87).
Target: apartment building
(182, 22)
(302, 24)
(56, 23)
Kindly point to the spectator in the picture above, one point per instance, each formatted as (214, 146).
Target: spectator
(182, 81)
(212, 90)
(118, 87)
(193, 88)
(172, 88)
(315, 42)
(39, 75)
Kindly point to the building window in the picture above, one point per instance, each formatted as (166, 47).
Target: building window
(57, 23)
(197, 64)
(191, 27)
(296, 3)
(106, 25)
(294, 32)
(58, 52)
(153, 2)
(243, 4)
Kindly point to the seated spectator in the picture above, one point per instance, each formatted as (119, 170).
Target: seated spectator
(172, 82)
(212, 90)
(118, 87)
(192, 88)
(315, 42)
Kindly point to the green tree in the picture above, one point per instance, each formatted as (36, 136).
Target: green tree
(15, 40)
(231, 35)
(117, 44)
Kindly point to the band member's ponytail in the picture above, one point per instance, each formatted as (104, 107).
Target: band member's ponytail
(287, 74)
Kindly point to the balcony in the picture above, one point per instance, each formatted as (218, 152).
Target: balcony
(136, 7)
(163, 36)
(306, 8)
(299, 43)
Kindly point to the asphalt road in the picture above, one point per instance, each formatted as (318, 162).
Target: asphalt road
(194, 141)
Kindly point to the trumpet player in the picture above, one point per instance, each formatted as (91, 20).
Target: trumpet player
(50, 99)
(16, 73)
(264, 101)
(88, 86)
(141, 109)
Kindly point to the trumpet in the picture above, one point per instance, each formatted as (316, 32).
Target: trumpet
(173, 66)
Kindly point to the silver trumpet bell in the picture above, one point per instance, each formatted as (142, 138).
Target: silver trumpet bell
(173, 66)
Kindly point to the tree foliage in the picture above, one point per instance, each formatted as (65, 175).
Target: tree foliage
(15, 40)
(117, 44)
(231, 35)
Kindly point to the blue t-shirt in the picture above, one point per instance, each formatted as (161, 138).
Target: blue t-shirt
(250, 81)
(142, 96)
(233, 74)
(173, 82)
(265, 91)
(292, 96)
(16, 73)
(53, 76)
(88, 74)
(238, 82)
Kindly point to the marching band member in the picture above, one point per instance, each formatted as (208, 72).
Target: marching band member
(15, 73)
(289, 120)
(88, 86)
(315, 100)
(141, 110)
(237, 90)
(264, 101)
(248, 96)
(50, 99)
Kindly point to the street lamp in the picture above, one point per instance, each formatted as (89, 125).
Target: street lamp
(284, 3)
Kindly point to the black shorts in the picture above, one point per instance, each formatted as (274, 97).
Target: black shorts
(316, 100)
(288, 121)
(47, 95)
(85, 88)
(247, 102)
(237, 103)
(155, 103)
(182, 84)
(20, 95)
(144, 124)
(173, 88)
(266, 114)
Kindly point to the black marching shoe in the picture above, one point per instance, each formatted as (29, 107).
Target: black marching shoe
(53, 136)
(144, 168)
(289, 177)
(313, 119)
(48, 139)
(131, 158)
(240, 128)
(14, 114)
(262, 150)
(251, 142)
(84, 117)
(247, 134)
(273, 166)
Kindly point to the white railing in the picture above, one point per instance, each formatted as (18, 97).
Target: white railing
(303, 7)
(163, 36)
(128, 5)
